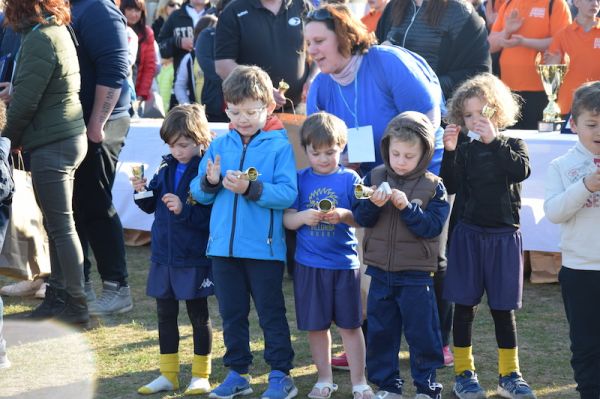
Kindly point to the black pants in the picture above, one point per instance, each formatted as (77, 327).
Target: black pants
(97, 222)
(168, 329)
(444, 307)
(581, 296)
(532, 109)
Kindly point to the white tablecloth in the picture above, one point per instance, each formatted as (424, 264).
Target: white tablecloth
(143, 145)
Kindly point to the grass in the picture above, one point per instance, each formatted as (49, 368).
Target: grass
(49, 361)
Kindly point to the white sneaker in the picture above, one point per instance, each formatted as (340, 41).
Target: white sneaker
(113, 300)
(159, 384)
(4, 362)
(41, 292)
(198, 386)
(22, 288)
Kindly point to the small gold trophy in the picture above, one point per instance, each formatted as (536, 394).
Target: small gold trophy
(552, 76)
(138, 172)
(325, 205)
(250, 174)
(283, 87)
(363, 192)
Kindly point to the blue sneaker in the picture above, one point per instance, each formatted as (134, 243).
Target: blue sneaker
(513, 386)
(281, 386)
(233, 385)
(466, 386)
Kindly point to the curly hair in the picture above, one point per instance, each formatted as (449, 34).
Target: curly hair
(352, 35)
(23, 14)
(490, 89)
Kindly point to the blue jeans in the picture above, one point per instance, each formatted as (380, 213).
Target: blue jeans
(236, 280)
(405, 302)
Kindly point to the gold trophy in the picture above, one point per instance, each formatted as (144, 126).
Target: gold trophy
(552, 76)
(283, 87)
(250, 174)
(363, 192)
(325, 205)
(138, 172)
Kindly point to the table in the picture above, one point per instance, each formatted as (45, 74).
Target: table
(143, 145)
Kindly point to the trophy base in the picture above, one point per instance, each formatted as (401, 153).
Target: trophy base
(143, 194)
(548, 127)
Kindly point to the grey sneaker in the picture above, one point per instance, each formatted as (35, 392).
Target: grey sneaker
(114, 299)
(90, 295)
(387, 395)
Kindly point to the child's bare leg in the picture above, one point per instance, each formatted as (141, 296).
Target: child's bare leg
(354, 345)
(320, 348)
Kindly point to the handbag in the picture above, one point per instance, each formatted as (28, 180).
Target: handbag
(25, 253)
(153, 106)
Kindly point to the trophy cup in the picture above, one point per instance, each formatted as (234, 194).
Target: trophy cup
(487, 112)
(325, 205)
(363, 192)
(283, 87)
(138, 172)
(250, 174)
(552, 76)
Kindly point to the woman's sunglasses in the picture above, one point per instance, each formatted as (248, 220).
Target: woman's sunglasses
(174, 5)
(320, 14)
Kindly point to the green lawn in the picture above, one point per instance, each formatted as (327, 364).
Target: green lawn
(124, 349)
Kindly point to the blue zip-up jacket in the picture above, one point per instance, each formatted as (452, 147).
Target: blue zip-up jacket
(177, 240)
(250, 225)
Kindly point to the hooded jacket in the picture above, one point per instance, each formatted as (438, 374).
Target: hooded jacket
(250, 225)
(402, 240)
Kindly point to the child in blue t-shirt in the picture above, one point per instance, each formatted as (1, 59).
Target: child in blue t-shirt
(179, 267)
(326, 275)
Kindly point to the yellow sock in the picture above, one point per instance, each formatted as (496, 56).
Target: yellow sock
(508, 361)
(201, 366)
(169, 367)
(463, 359)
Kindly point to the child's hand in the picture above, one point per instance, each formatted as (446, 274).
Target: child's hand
(592, 181)
(173, 203)
(485, 129)
(213, 170)
(233, 182)
(311, 217)
(334, 216)
(138, 184)
(399, 199)
(451, 137)
(551, 58)
(379, 197)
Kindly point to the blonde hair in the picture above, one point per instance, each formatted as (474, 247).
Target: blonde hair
(186, 120)
(322, 129)
(494, 92)
(161, 9)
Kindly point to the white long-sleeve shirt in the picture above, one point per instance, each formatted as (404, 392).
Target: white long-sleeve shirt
(569, 203)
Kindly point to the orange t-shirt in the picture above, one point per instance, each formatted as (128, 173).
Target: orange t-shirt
(517, 64)
(370, 20)
(583, 49)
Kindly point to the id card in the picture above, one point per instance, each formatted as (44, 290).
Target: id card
(361, 146)
(474, 136)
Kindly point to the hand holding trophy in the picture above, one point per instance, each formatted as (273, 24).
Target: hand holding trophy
(138, 176)
(552, 76)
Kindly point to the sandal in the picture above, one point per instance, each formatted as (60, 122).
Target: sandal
(362, 392)
(319, 387)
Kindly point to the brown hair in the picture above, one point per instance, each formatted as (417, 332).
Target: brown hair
(322, 129)
(490, 89)
(140, 26)
(433, 11)
(352, 35)
(186, 120)
(248, 83)
(206, 21)
(586, 98)
(23, 14)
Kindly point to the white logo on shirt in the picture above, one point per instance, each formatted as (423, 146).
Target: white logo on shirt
(294, 21)
(597, 42)
(537, 12)
(241, 14)
(206, 283)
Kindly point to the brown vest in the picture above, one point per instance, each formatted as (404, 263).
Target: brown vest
(390, 245)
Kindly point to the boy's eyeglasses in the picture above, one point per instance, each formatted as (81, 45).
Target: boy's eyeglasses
(320, 14)
(174, 5)
(249, 113)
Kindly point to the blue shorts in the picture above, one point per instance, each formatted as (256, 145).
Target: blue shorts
(485, 258)
(325, 295)
(181, 283)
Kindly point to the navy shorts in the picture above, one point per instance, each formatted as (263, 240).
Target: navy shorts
(486, 259)
(326, 295)
(181, 283)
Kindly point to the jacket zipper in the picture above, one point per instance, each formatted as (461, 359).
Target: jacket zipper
(412, 20)
(235, 201)
(270, 238)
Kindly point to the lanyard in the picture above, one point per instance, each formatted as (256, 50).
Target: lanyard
(355, 113)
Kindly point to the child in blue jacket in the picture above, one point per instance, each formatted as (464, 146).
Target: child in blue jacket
(179, 267)
(247, 240)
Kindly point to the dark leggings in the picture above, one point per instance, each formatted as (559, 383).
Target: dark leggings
(504, 322)
(168, 330)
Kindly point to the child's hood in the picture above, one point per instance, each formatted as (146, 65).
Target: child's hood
(419, 124)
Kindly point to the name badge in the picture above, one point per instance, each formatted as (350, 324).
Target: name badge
(597, 42)
(361, 146)
(537, 12)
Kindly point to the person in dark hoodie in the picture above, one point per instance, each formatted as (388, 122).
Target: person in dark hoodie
(403, 223)
(449, 34)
